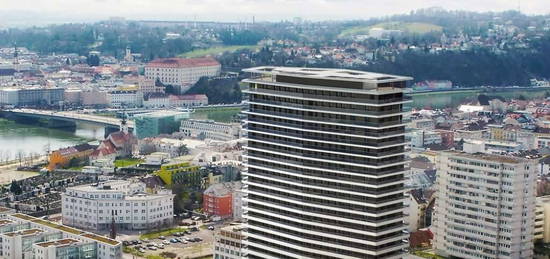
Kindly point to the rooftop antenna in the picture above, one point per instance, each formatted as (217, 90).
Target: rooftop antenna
(519, 6)
(15, 58)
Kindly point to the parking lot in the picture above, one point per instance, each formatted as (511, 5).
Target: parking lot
(184, 244)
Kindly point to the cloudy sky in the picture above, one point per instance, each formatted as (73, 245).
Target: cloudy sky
(240, 10)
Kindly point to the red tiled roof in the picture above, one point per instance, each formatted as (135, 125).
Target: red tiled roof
(183, 62)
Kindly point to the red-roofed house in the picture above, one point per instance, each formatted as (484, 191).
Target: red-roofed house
(62, 157)
(182, 72)
(117, 144)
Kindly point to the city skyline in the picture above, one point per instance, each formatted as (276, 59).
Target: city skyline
(26, 12)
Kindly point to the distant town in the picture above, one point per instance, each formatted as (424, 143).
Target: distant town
(424, 135)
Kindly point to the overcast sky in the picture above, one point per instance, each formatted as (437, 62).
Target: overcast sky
(240, 10)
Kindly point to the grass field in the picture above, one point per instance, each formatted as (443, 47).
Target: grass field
(413, 27)
(215, 50)
(218, 114)
(127, 162)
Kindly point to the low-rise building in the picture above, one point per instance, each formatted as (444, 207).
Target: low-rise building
(31, 96)
(125, 203)
(188, 100)
(178, 172)
(229, 242)
(218, 199)
(125, 98)
(64, 156)
(160, 122)
(208, 129)
(182, 72)
(23, 236)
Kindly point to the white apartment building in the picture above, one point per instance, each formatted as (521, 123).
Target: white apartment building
(23, 236)
(125, 98)
(181, 71)
(485, 206)
(96, 206)
(422, 138)
(229, 243)
(208, 129)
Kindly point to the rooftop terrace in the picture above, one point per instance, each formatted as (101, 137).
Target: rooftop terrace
(59, 242)
(328, 73)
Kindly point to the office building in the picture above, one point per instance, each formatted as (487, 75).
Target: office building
(229, 242)
(326, 163)
(542, 219)
(182, 72)
(209, 129)
(31, 96)
(126, 203)
(125, 98)
(161, 122)
(218, 199)
(23, 236)
(485, 206)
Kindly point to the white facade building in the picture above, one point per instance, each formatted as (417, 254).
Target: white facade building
(422, 138)
(229, 243)
(485, 206)
(208, 129)
(125, 202)
(126, 98)
(181, 72)
(23, 236)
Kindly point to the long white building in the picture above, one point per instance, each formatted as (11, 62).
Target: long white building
(96, 206)
(485, 206)
(326, 163)
(23, 236)
(208, 129)
(181, 71)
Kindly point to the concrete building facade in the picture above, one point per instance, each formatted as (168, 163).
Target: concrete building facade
(124, 202)
(485, 206)
(326, 163)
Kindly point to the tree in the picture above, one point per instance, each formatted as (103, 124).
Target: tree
(183, 150)
(15, 188)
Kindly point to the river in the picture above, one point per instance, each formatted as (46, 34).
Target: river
(15, 138)
(26, 139)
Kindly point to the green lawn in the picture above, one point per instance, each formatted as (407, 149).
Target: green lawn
(127, 162)
(215, 50)
(412, 27)
(165, 232)
(217, 114)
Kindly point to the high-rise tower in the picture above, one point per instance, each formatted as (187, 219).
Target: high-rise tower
(326, 161)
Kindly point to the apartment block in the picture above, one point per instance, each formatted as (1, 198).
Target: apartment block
(485, 206)
(229, 242)
(25, 237)
(125, 203)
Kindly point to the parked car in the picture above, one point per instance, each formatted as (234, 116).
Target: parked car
(166, 242)
(162, 237)
(211, 228)
(173, 240)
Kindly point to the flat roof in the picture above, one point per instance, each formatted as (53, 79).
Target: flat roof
(101, 239)
(25, 232)
(57, 226)
(489, 157)
(59, 242)
(328, 74)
